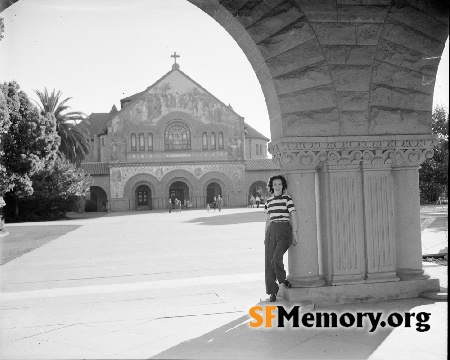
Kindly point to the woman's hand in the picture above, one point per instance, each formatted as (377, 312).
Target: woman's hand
(294, 238)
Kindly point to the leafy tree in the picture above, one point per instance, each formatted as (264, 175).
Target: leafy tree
(55, 192)
(74, 139)
(433, 173)
(4, 127)
(29, 145)
(2, 28)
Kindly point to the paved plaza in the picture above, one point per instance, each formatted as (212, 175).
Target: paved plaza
(180, 285)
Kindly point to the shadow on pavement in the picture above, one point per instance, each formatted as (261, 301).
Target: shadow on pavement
(230, 219)
(85, 215)
(23, 239)
(238, 340)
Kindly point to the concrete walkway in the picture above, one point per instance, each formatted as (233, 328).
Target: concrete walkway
(153, 284)
(434, 219)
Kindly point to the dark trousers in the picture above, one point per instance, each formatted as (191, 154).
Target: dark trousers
(277, 241)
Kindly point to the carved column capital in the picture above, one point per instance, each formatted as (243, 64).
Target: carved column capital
(301, 153)
(412, 153)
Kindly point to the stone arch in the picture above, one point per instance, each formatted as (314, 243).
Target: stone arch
(259, 183)
(175, 116)
(143, 185)
(378, 56)
(179, 175)
(98, 195)
(340, 70)
(140, 179)
(224, 181)
(214, 176)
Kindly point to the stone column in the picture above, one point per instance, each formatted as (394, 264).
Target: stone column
(159, 202)
(379, 221)
(409, 155)
(303, 258)
(300, 167)
(197, 199)
(407, 221)
(342, 223)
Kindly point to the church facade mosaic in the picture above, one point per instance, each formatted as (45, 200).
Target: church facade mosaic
(176, 141)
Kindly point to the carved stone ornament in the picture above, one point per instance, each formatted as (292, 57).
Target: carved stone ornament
(367, 151)
(119, 175)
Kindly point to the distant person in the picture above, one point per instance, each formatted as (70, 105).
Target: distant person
(214, 203)
(281, 233)
(170, 205)
(208, 207)
(257, 200)
(252, 201)
(219, 202)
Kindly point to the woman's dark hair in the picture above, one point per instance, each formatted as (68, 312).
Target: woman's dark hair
(276, 177)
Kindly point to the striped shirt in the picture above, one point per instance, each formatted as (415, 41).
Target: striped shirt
(279, 207)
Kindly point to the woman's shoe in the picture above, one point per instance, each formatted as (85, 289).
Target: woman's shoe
(287, 284)
(273, 297)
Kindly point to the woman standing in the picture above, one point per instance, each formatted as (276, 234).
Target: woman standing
(281, 232)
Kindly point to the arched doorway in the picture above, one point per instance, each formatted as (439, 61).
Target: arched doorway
(259, 188)
(143, 196)
(179, 190)
(98, 199)
(213, 189)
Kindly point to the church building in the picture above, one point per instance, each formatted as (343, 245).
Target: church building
(174, 140)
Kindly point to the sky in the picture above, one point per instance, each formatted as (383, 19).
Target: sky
(98, 51)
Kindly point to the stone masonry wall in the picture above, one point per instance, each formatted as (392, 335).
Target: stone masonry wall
(345, 67)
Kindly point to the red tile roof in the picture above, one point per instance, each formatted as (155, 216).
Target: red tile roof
(95, 168)
(260, 164)
(96, 122)
(252, 133)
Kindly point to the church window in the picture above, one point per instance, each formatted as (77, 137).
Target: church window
(177, 137)
(150, 142)
(220, 140)
(257, 149)
(205, 141)
(213, 141)
(141, 142)
(133, 142)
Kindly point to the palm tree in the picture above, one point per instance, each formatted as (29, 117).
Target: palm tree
(74, 139)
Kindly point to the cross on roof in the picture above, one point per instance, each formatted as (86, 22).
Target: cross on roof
(175, 56)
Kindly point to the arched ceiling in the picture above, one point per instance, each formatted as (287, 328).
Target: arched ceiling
(345, 67)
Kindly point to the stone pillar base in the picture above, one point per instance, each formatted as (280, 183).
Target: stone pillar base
(306, 282)
(382, 277)
(346, 279)
(333, 295)
(412, 274)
